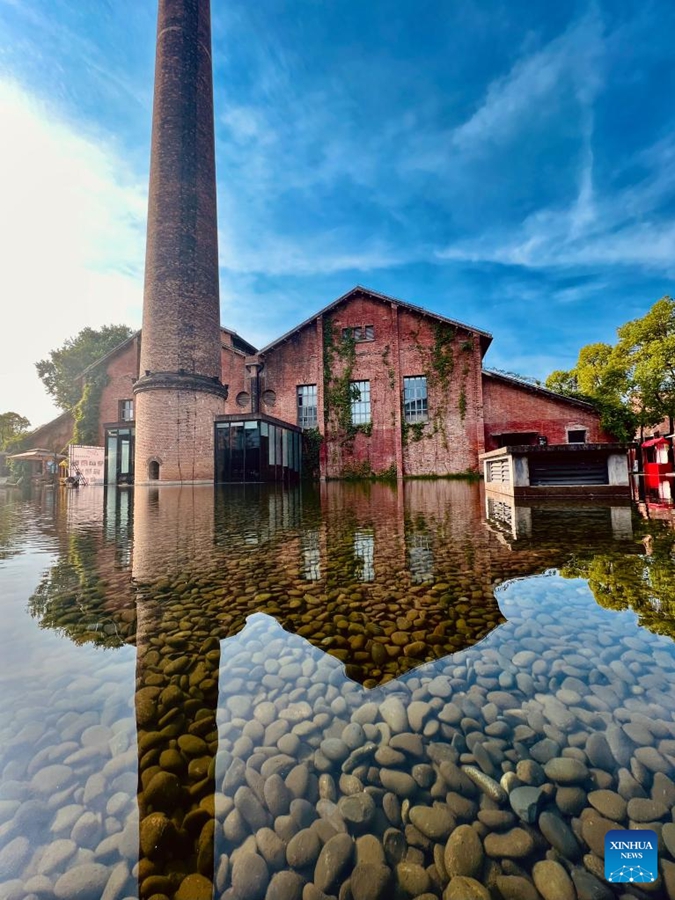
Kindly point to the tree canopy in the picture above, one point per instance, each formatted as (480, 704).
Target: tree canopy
(12, 427)
(631, 382)
(60, 371)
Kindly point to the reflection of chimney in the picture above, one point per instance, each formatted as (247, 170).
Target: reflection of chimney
(177, 663)
(254, 367)
(181, 392)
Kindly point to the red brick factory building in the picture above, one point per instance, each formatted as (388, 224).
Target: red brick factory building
(369, 385)
(389, 387)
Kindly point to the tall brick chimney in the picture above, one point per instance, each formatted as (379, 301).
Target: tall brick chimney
(180, 392)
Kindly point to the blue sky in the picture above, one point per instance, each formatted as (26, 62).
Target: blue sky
(508, 164)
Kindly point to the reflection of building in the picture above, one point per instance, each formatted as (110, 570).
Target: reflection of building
(523, 520)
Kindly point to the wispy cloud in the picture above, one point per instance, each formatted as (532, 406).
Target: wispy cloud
(72, 232)
(625, 228)
(569, 61)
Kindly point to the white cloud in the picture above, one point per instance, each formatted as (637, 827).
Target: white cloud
(72, 229)
(572, 59)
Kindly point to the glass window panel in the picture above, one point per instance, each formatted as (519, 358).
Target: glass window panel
(360, 404)
(307, 406)
(111, 473)
(285, 456)
(415, 403)
(271, 455)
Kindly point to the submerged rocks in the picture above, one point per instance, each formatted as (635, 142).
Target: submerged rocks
(495, 770)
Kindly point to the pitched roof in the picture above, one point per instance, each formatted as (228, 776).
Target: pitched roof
(238, 343)
(514, 381)
(120, 346)
(486, 337)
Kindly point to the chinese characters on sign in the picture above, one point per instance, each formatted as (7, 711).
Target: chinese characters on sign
(89, 462)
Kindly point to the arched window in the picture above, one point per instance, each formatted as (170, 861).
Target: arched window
(153, 470)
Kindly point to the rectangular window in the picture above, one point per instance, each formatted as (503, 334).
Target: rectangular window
(307, 410)
(359, 333)
(360, 397)
(576, 436)
(126, 411)
(415, 408)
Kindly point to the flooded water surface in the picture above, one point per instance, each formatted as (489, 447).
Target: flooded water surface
(359, 692)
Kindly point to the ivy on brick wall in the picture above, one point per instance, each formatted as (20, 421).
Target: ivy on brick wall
(86, 411)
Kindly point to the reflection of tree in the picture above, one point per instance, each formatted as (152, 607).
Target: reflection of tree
(11, 526)
(643, 583)
(74, 599)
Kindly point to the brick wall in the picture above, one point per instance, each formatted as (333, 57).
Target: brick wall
(452, 439)
(122, 371)
(55, 435)
(182, 436)
(235, 376)
(404, 343)
(298, 360)
(508, 407)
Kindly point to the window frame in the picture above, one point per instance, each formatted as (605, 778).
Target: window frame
(421, 416)
(301, 392)
(576, 429)
(360, 396)
(360, 334)
(122, 404)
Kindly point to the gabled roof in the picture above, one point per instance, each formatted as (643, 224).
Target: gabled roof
(485, 337)
(115, 350)
(514, 381)
(239, 343)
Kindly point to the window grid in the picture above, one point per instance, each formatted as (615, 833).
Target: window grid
(360, 396)
(126, 410)
(415, 406)
(359, 333)
(307, 406)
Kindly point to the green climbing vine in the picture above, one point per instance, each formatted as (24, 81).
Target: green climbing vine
(442, 359)
(86, 411)
(339, 352)
(391, 374)
(311, 452)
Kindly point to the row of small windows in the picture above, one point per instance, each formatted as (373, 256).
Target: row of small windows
(415, 406)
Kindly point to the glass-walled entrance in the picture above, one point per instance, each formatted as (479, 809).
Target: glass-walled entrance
(256, 449)
(119, 456)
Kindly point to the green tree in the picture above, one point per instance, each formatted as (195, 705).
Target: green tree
(61, 370)
(12, 426)
(647, 349)
(589, 382)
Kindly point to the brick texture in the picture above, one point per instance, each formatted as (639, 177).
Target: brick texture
(182, 436)
(405, 344)
(122, 372)
(181, 308)
(511, 408)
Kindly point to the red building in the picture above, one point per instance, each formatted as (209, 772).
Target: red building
(378, 385)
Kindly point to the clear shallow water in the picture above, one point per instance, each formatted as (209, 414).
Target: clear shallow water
(295, 694)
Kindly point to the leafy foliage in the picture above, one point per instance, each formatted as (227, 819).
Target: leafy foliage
(13, 427)
(61, 370)
(632, 382)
